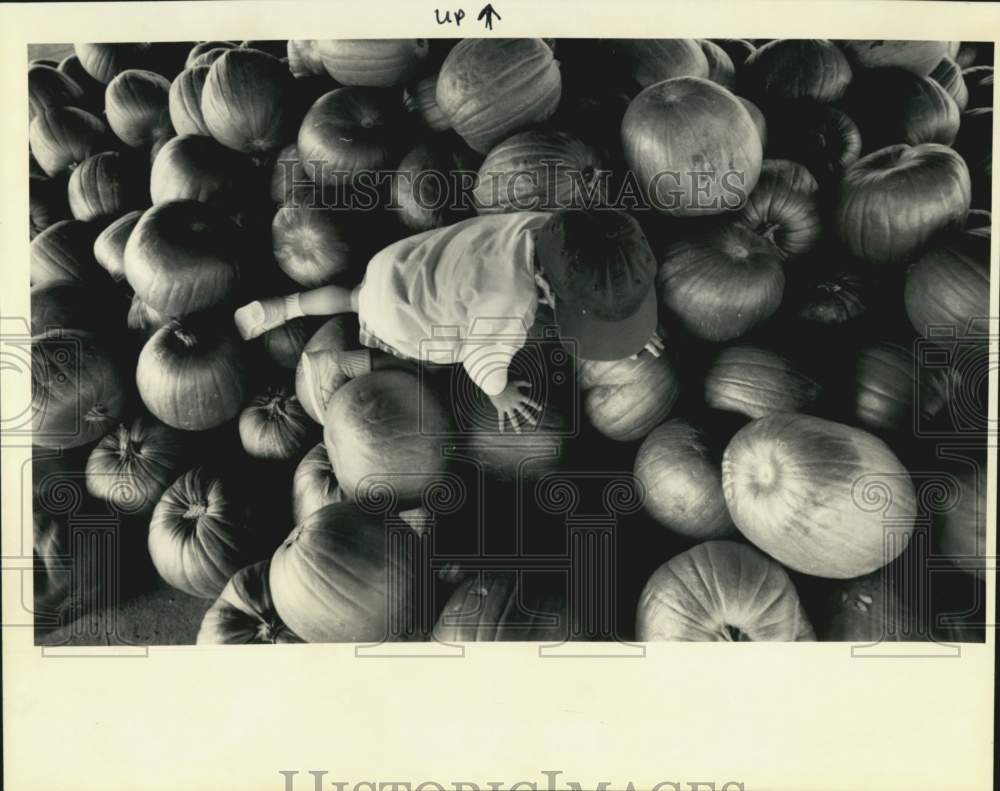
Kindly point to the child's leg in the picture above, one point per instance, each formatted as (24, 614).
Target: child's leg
(262, 315)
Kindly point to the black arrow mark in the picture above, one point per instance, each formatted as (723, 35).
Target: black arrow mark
(488, 13)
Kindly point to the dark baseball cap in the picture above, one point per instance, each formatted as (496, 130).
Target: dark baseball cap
(601, 270)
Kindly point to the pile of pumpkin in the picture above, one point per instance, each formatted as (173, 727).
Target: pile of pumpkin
(797, 464)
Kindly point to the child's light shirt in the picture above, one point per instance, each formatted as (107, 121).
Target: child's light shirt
(461, 294)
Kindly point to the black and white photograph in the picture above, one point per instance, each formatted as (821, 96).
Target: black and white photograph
(581, 344)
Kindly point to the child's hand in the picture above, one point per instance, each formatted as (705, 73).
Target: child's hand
(513, 405)
(654, 346)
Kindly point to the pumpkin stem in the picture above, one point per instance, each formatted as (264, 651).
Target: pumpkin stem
(185, 337)
(195, 510)
(124, 440)
(266, 633)
(768, 230)
(735, 635)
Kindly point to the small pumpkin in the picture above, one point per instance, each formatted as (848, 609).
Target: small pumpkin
(490, 88)
(63, 252)
(314, 484)
(47, 203)
(304, 58)
(721, 69)
(948, 74)
(918, 57)
(833, 301)
(184, 256)
(106, 185)
(244, 613)
(184, 101)
(274, 426)
(420, 99)
(62, 137)
(791, 69)
(783, 209)
(194, 167)
(137, 106)
(191, 374)
(820, 497)
(373, 63)
(109, 247)
(314, 247)
(433, 187)
(202, 47)
(652, 60)
(755, 381)
(314, 392)
(49, 87)
(104, 62)
(820, 136)
(199, 534)
(721, 591)
(893, 201)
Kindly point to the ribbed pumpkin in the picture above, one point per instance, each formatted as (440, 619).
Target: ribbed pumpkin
(202, 47)
(948, 75)
(314, 247)
(737, 49)
(708, 164)
(949, 286)
(652, 60)
(184, 256)
(62, 137)
(195, 167)
(491, 88)
(386, 429)
(625, 399)
(680, 471)
(274, 426)
(823, 138)
(209, 56)
(47, 203)
(191, 374)
(541, 170)
(106, 185)
(820, 497)
(892, 202)
(791, 69)
(78, 389)
(919, 57)
(420, 99)
(49, 87)
(304, 58)
(338, 333)
(721, 280)
(783, 208)
(372, 63)
(143, 319)
(721, 591)
(314, 484)
(244, 102)
(109, 247)
(184, 101)
(104, 62)
(244, 613)
(720, 66)
(754, 381)
(199, 534)
(433, 187)
(134, 464)
(960, 530)
(340, 577)
(63, 252)
(137, 106)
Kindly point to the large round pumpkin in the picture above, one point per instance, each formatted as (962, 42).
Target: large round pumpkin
(64, 252)
(335, 580)
(721, 280)
(137, 106)
(710, 160)
(274, 426)
(433, 187)
(314, 484)
(820, 497)
(489, 88)
(679, 469)
(184, 101)
(244, 102)
(184, 256)
(386, 429)
(62, 137)
(191, 374)
(948, 75)
(199, 534)
(79, 390)
(820, 136)
(893, 201)
(106, 185)
(194, 167)
(625, 399)
(109, 247)
(315, 247)
(919, 57)
(49, 87)
(372, 62)
(788, 69)
(782, 211)
(754, 381)
(721, 591)
(244, 613)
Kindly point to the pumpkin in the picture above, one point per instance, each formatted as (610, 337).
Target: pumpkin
(894, 106)
(721, 591)
(711, 160)
(823, 138)
(948, 287)
(759, 121)
(62, 137)
(866, 609)
(134, 464)
(67, 305)
(184, 256)
(63, 252)
(893, 201)
(541, 170)
(274, 426)
(143, 319)
(109, 247)
(191, 374)
(755, 381)
(919, 57)
(975, 143)
(679, 470)
(834, 300)
(47, 203)
(737, 49)
(104, 62)
(202, 47)
(290, 184)
(721, 280)
(948, 75)
(820, 497)
(783, 212)
(244, 101)
(791, 69)
(284, 344)
(420, 99)
(979, 83)
(49, 87)
(194, 167)
(385, 429)
(78, 389)
(106, 185)
(304, 58)
(244, 613)
(625, 399)
(199, 534)
(314, 484)
(137, 106)
(720, 66)
(491, 88)
(335, 580)
(960, 530)
(314, 247)
(652, 60)
(314, 393)
(506, 606)
(209, 56)
(372, 63)
(93, 91)
(430, 189)
(184, 101)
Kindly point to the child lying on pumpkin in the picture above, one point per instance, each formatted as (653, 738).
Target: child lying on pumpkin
(469, 292)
